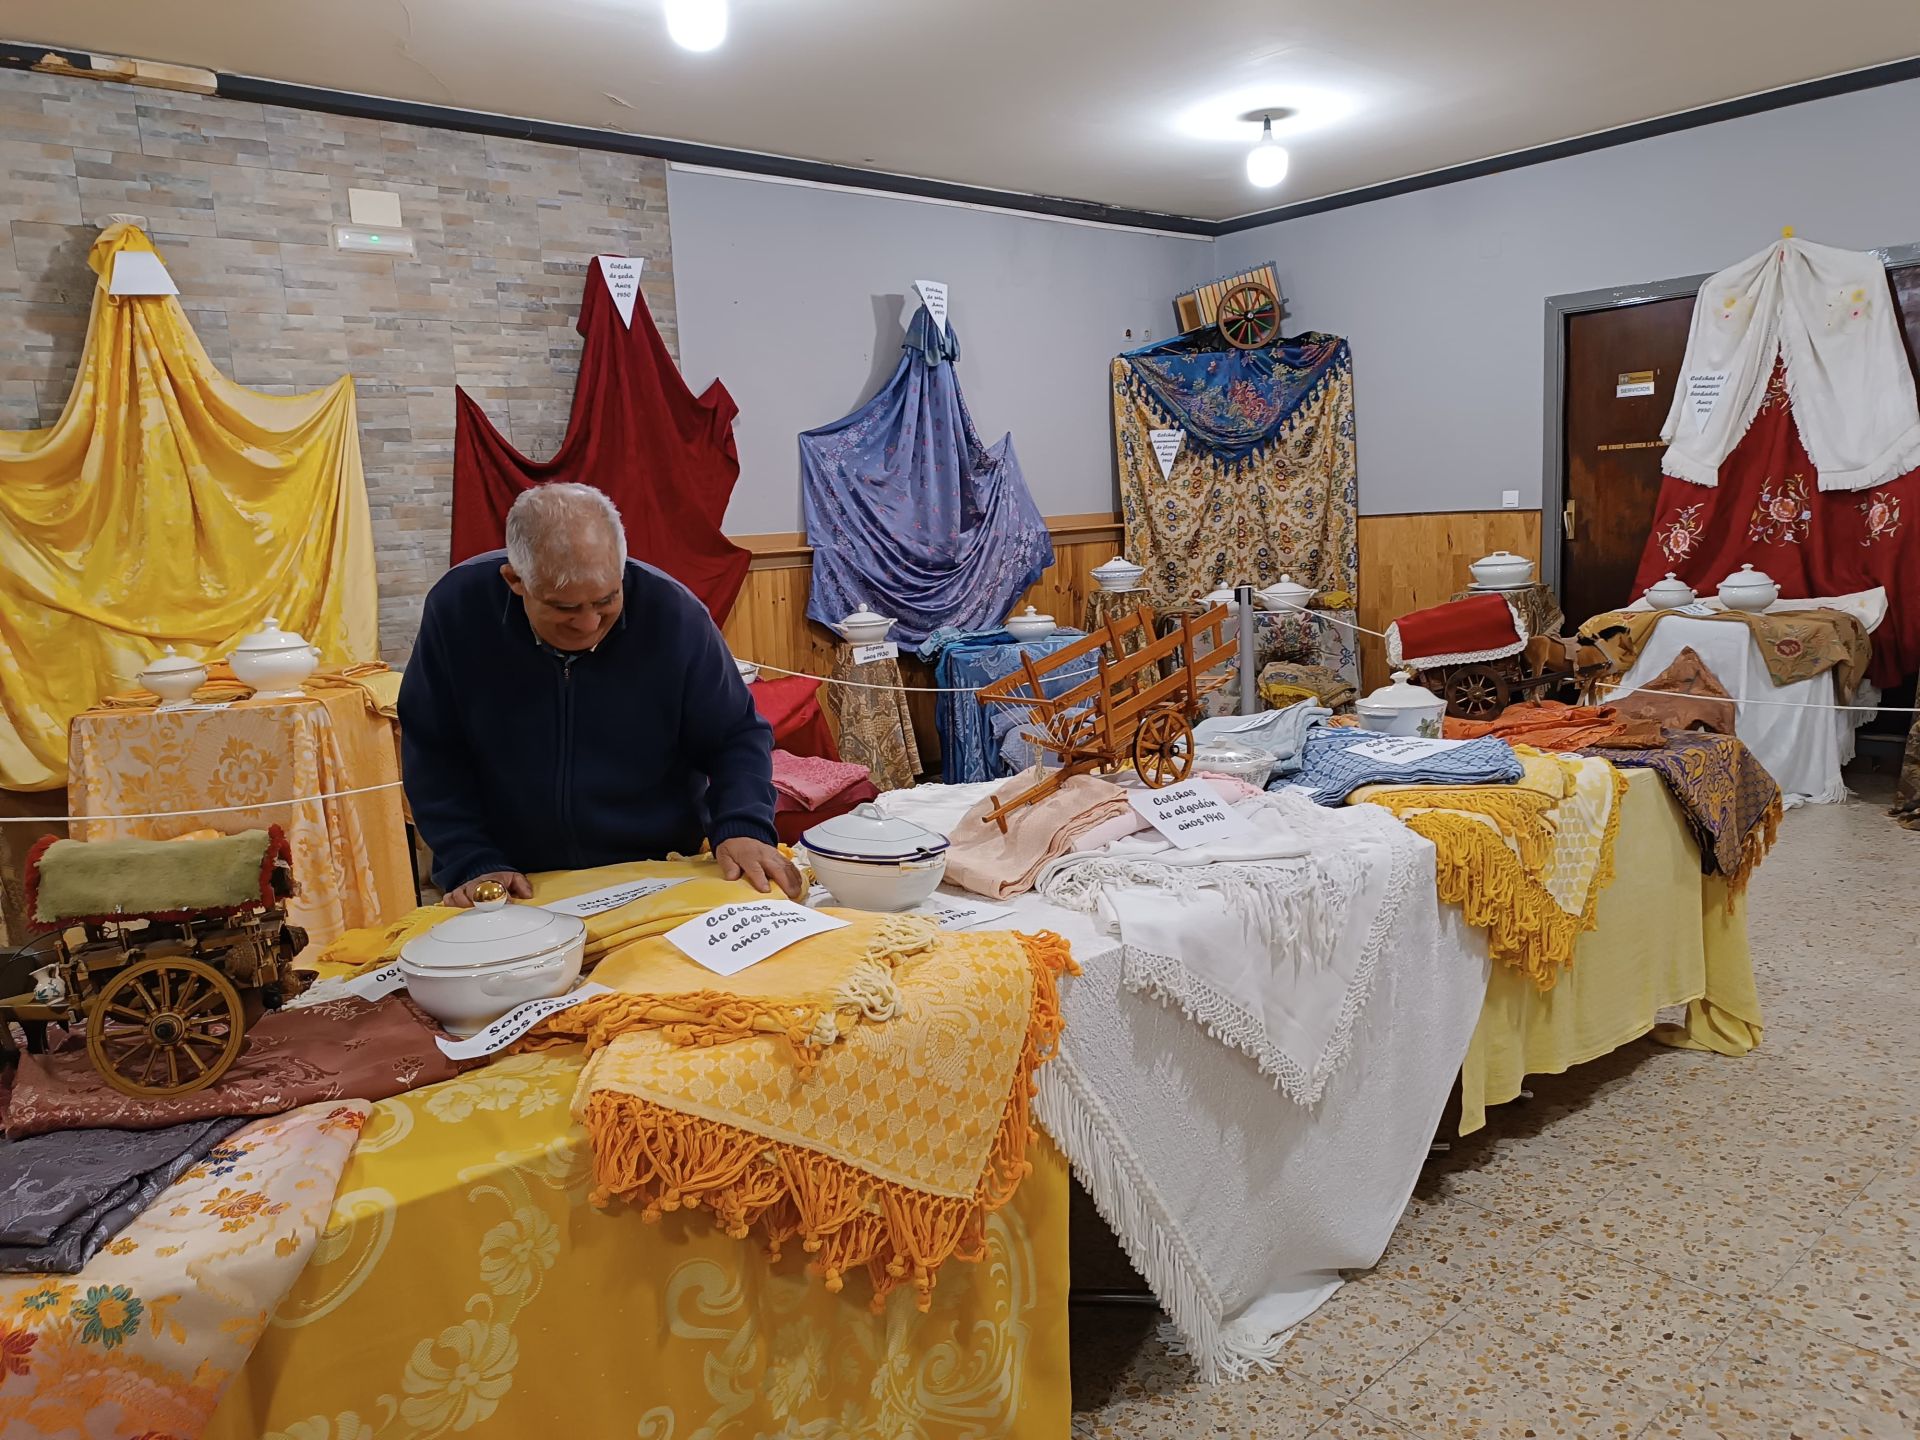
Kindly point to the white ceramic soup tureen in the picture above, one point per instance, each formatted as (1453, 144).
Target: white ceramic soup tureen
(1286, 594)
(864, 626)
(1223, 596)
(1670, 593)
(1119, 573)
(1030, 625)
(1748, 589)
(469, 971)
(274, 661)
(871, 861)
(1502, 570)
(1403, 708)
(173, 677)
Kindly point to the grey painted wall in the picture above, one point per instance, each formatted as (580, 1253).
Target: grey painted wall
(1442, 292)
(795, 297)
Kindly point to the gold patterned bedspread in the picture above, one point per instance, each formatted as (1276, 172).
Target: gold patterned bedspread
(465, 1285)
(1795, 644)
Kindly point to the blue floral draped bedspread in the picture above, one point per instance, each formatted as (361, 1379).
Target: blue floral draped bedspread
(908, 511)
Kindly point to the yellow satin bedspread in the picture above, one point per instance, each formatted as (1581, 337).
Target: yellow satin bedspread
(465, 1285)
(1664, 935)
(167, 505)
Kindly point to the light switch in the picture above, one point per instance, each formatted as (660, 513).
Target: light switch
(374, 207)
(1509, 499)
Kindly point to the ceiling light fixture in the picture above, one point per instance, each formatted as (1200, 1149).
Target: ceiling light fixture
(697, 24)
(1267, 161)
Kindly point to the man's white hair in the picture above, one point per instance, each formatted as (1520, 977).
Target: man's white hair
(560, 535)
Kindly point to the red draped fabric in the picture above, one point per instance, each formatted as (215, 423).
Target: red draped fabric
(1769, 512)
(791, 705)
(664, 455)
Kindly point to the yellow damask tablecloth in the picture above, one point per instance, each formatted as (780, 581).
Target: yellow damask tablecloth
(1664, 935)
(349, 854)
(465, 1285)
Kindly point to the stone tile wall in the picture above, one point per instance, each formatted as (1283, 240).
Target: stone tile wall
(240, 200)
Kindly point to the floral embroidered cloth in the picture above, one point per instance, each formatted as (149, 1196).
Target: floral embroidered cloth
(1265, 482)
(1731, 803)
(1796, 644)
(1768, 511)
(145, 1339)
(350, 855)
(885, 1148)
(466, 1285)
(63, 1196)
(341, 1049)
(907, 510)
(876, 728)
(1527, 862)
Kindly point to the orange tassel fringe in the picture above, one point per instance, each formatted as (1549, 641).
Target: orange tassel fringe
(662, 1160)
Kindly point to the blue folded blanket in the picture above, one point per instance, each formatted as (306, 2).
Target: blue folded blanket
(1331, 770)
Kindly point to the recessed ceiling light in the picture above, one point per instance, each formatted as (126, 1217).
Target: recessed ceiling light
(697, 24)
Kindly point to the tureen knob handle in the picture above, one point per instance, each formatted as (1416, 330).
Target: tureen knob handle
(489, 892)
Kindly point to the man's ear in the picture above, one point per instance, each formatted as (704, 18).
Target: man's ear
(514, 582)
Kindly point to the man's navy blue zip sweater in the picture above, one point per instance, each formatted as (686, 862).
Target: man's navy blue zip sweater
(521, 757)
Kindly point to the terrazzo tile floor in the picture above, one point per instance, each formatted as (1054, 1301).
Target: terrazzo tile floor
(1660, 1243)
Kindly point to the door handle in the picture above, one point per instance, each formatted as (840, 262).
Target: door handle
(1566, 518)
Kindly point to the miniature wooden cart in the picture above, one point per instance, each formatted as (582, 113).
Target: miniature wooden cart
(1128, 709)
(1481, 689)
(166, 988)
(1245, 308)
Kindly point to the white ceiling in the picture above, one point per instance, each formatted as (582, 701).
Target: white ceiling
(1080, 98)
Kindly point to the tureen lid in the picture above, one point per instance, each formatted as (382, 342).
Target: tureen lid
(169, 662)
(864, 614)
(1033, 616)
(1118, 565)
(1286, 585)
(1671, 585)
(271, 637)
(1221, 596)
(865, 833)
(1402, 694)
(1747, 578)
(1225, 750)
(492, 933)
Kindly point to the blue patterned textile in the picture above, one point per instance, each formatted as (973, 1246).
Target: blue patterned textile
(1330, 773)
(969, 743)
(1236, 401)
(907, 510)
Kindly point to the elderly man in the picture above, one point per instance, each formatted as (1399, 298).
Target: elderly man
(571, 707)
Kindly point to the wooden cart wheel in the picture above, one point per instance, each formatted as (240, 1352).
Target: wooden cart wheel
(1248, 316)
(1163, 748)
(1476, 692)
(165, 1027)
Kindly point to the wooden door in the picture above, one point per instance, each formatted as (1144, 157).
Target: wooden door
(1621, 367)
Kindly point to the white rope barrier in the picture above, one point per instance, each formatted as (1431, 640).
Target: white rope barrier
(197, 810)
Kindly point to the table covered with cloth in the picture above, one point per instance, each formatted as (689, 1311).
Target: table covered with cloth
(1792, 725)
(349, 853)
(869, 706)
(465, 1284)
(968, 748)
(1665, 934)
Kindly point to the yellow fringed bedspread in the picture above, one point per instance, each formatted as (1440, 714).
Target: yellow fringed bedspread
(887, 1150)
(1526, 862)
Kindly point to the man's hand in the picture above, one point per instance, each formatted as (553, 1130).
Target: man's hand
(515, 882)
(758, 862)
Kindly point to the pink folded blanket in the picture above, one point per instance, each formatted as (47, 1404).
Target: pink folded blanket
(806, 782)
(997, 865)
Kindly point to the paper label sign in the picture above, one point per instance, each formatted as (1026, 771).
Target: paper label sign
(374, 983)
(598, 902)
(1166, 447)
(1189, 814)
(733, 937)
(1703, 395)
(933, 294)
(951, 914)
(1698, 607)
(879, 650)
(623, 283)
(1634, 382)
(1403, 749)
(516, 1022)
(140, 272)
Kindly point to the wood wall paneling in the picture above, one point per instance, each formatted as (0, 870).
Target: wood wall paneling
(1408, 562)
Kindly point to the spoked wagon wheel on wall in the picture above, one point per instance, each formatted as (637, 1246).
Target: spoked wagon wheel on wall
(1163, 748)
(164, 1027)
(1248, 316)
(1476, 692)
